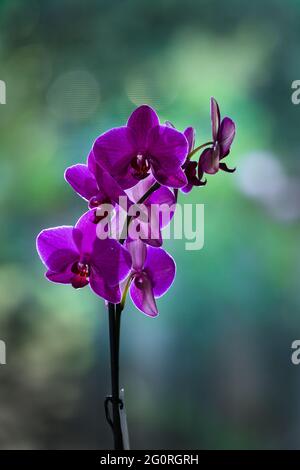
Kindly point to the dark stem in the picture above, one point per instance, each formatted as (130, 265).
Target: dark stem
(148, 193)
(114, 336)
(114, 313)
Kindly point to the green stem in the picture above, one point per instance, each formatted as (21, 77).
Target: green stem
(197, 149)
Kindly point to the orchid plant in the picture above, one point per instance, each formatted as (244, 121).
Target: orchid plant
(144, 163)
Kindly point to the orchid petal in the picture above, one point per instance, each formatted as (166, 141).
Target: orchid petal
(171, 177)
(161, 269)
(91, 163)
(101, 288)
(64, 277)
(114, 151)
(165, 200)
(141, 293)
(215, 118)
(225, 136)
(224, 167)
(86, 232)
(109, 186)
(139, 190)
(138, 252)
(141, 121)
(209, 160)
(82, 180)
(150, 232)
(110, 261)
(167, 150)
(190, 137)
(56, 248)
(187, 188)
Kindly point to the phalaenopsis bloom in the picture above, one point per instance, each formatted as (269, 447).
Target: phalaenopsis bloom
(132, 173)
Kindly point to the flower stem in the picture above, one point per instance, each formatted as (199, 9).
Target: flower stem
(148, 193)
(114, 313)
(114, 336)
(197, 149)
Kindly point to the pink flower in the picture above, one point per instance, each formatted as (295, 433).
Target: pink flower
(153, 271)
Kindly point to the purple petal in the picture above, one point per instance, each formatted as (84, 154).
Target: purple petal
(147, 231)
(109, 186)
(138, 252)
(141, 121)
(190, 169)
(165, 198)
(168, 149)
(136, 192)
(101, 288)
(56, 248)
(169, 176)
(150, 232)
(225, 136)
(167, 146)
(64, 277)
(190, 137)
(91, 163)
(86, 233)
(187, 188)
(161, 269)
(215, 118)
(142, 296)
(224, 167)
(82, 180)
(110, 261)
(209, 160)
(114, 151)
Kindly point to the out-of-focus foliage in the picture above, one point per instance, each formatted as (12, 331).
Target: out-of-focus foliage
(214, 370)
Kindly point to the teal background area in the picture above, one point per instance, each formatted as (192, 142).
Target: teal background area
(214, 370)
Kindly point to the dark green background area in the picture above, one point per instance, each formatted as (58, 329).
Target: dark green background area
(214, 369)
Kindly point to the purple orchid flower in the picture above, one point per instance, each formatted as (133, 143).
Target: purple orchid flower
(190, 167)
(156, 212)
(130, 152)
(153, 271)
(223, 133)
(74, 255)
(94, 184)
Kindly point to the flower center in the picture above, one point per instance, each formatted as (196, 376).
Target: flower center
(94, 202)
(140, 277)
(81, 274)
(103, 207)
(141, 166)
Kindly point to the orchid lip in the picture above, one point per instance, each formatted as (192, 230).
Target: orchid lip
(82, 273)
(94, 202)
(139, 281)
(141, 166)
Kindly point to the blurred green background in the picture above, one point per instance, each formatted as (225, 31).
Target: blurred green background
(213, 371)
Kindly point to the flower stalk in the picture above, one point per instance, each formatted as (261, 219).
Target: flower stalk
(145, 162)
(114, 314)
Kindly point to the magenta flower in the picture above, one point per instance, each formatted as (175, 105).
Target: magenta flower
(131, 181)
(223, 133)
(153, 271)
(190, 167)
(74, 255)
(93, 183)
(130, 153)
(156, 211)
